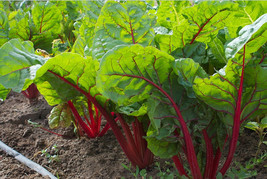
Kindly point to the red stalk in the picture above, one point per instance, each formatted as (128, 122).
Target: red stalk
(31, 92)
(91, 114)
(217, 159)
(201, 28)
(85, 128)
(209, 155)
(131, 144)
(179, 165)
(236, 125)
(60, 135)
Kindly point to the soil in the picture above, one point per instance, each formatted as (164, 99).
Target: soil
(76, 158)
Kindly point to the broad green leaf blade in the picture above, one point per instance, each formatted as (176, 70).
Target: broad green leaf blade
(4, 27)
(217, 92)
(19, 25)
(246, 14)
(18, 64)
(257, 30)
(201, 22)
(122, 72)
(79, 46)
(46, 17)
(169, 13)
(77, 70)
(3, 92)
(122, 23)
(60, 117)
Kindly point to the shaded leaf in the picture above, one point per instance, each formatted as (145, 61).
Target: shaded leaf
(60, 117)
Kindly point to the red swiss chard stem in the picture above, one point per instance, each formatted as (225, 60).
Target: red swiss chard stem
(91, 114)
(131, 143)
(190, 151)
(236, 125)
(179, 165)
(209, 155)
(217, 159)
(201, 28)
(60, 135)
(31, 92)
(85, 128)
(105, 129)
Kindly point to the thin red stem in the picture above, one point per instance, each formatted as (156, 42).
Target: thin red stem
(236, 125)
(201, 28)
(179, 166)
(60, 135)
(209, 155)
(85, 128)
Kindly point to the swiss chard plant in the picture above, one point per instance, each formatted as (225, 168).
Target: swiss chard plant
(176, 79)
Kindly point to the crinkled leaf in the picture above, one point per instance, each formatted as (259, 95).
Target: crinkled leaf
(74, 68)
(187, 70)
(60, 116)
(3, 92)
(79, 46)
(122, 70)
(169, 13)
(256, 30)
(220, 91)
(201, 23)
(18, 64)
(196, 51)
(46, 17)
(4, 27)
(19, 25)
(122, 23)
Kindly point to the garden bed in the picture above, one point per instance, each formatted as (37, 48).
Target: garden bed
(76, 158)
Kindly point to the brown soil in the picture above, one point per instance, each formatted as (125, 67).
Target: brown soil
(77, 158)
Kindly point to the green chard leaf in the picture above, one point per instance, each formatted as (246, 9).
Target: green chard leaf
(253, 36)
(18, 64)
(19, 25)
(46, 25)
(46, 17)
(122, 23)
(3, 92)
(4, 27)
(169, 13)
(60, 116)
(60, 77)
(85, 30)
(200, 22)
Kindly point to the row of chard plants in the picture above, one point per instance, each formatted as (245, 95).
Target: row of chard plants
(175, 79)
